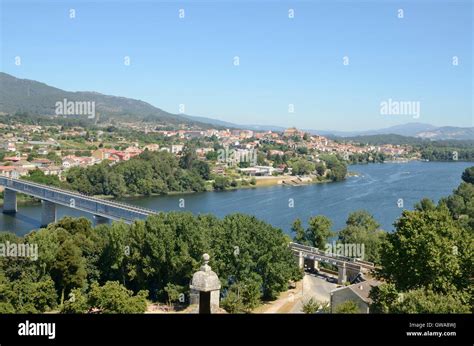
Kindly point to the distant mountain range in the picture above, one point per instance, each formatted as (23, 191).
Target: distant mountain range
(418, 130)
(36, 98)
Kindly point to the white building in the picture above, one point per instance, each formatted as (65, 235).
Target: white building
(177, 148)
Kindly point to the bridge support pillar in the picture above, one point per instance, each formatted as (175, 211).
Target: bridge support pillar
(9, 201)
(316, 265)
(100, 220)
(342, 277)
(352, 273)
(301, 260)
(48, 212)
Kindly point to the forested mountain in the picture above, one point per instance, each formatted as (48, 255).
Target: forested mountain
(29, 96)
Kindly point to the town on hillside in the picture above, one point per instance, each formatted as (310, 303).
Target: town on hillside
(54, 149)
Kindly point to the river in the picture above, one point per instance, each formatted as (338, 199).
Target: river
(376, 188)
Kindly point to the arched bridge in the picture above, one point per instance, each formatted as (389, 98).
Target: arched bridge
(102, 210)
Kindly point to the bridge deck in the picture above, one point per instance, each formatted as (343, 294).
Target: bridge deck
(314, 253)
(108, 209)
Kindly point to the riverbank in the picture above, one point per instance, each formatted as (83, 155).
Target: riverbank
(288, 180)
(260, 181)
(377, 189)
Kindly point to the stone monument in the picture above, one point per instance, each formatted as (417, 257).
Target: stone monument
(205, 288)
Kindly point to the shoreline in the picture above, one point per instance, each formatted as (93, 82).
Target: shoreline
(261, 182)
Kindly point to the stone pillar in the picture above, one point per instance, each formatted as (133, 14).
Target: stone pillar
(100, 220)
(48, 212)
(316, 265)
(341, 278)
(301, 260)
(205, 288)
(9, 201)
(352, 273)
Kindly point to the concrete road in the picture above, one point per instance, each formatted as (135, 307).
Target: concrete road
(314, 286)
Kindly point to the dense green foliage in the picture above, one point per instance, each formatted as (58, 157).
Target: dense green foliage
(373, 157)
(311, 306)
(468, 175)
(447, 153)
(386, 299)
(112, 297)
(109, 268)
(438, 150)
(428, 249)
(149, 173)
(348, 307)
(362, 228)
(427, 262)
(337, 167)
(317, 233)
(302, 167)
(38, 176)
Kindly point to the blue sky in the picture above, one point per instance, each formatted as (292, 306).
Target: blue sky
(283, 61)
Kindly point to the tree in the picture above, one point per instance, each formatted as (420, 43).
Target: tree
(461, 204)
(27, 296)
(76, 304)
(425, 204)
(188, 157)
(424, 301)
(55, 158)
(48, 242)
(337, 167)
(320, 168)
(243, 296)
(383, 297)
(173, 292)
(221, 183)
(261, 161)
(38, 176)
(232, 303)
(114, 254)
(362, 228)
(386, 299)
(468, 175)
(68, 271)
(115, 298)
(250, 291)
(108, 299)
(302, 167)
(319, 231)
(362, 218)
(298, 230)
(428, 249)
(159, 255)
(150, 172)
(347, 307)
(311, 306)
(202, 168)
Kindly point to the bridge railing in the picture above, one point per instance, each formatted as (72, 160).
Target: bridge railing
(29, 186)
(76, 200)
(316, 251)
